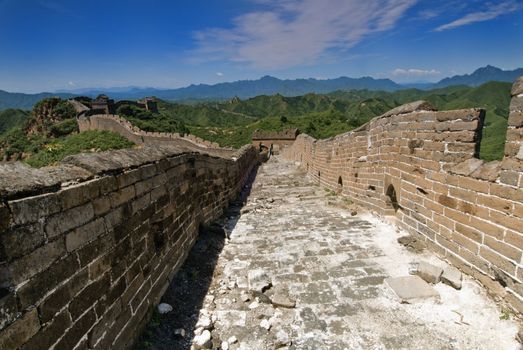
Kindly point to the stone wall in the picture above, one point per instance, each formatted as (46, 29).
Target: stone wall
(421, 166)
(117, 124)
(88, 247)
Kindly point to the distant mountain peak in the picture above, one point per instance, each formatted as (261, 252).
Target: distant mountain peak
(481, 76)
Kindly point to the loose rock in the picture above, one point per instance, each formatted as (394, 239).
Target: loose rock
(259, 280)
(204, 322)
(180, 332)
(411, 288)
(452, 277)
(203, 341)
(265, 324)
(429, 272)
(232, 340)
(245, 297)
(164, 308)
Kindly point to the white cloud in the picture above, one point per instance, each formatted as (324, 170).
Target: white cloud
(414, 73)
(289, 33)
(492, 12)
(220, 74)
(70, 83)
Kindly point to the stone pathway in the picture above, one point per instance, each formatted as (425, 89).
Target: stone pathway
(323, 269)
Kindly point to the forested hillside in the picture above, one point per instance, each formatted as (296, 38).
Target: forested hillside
(231, 123)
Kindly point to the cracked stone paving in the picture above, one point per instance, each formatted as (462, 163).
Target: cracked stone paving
(300, 271)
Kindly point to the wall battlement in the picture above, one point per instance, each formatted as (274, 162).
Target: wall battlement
(421, 166)
(115, 123)
(88, 247)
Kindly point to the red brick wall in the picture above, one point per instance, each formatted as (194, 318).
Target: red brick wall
(467, 211)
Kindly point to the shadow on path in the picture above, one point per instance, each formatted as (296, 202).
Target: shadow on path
(190, 285)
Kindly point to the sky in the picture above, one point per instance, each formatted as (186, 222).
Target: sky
(50, 45)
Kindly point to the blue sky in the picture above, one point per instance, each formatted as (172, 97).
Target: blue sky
(48, 45)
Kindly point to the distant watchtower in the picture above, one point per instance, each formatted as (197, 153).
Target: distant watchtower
(103, 104)
(149, 103)
(275, 139)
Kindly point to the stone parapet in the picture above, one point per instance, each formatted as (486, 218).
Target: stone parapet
(87, 248)
(421, 166)
(122, 126)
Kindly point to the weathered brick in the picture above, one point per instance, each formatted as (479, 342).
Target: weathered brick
(464, 242)
(503, 249)
(88, 296)
(20, 331)
(447, 201)
(98, 267)
(122, 196)
(62, 295)
(134, 285)
(9, 309)
(50, 333)
(101, 205)
(22, 240)
(140, 295)
(39, 285)
(29, 210)
(104, 323)
(498, 260)
(487, 228)
(514, 238)
(84, 234)
(79, 194)
(510, 178)
(496, 203)
(73, 336)
(470, 233)
(68, 220)
(37, 261)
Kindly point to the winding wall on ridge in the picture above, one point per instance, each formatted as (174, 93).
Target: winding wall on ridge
(88, 247)
(421, 166)
(119, 125)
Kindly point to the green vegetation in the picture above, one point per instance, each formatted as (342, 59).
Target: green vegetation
(89, 141)
(149, 121)
(12, 118)
(49, 134)
(505, 314)
(231, 123)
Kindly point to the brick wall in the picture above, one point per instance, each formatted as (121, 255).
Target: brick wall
(119, 125)
(88, 247)
(421, 166)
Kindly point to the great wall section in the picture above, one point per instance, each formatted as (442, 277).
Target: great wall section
(89, 246)
(421, 166)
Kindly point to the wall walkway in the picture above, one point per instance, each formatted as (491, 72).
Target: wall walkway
(421, 166)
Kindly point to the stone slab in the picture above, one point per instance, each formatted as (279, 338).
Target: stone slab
(411, 289)
(429, 273)
(452, 276)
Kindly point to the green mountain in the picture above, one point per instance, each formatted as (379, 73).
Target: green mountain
(231, 123)
(481, 76)
(25, 101)
(11, 118)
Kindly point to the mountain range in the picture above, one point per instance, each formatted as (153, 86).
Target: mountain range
(265, 86)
